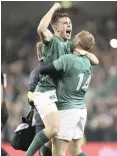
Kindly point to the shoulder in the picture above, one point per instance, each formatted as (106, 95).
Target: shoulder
(53, 40)
(87, 59)
(68, 58)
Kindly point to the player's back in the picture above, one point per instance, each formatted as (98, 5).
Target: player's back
(74, 82)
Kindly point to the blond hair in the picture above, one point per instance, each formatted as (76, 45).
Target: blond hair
(85, 40)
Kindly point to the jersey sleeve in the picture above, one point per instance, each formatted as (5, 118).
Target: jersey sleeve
(47, 49)
(59, 63)
(48, 43)
(47, 69)
(34, 79)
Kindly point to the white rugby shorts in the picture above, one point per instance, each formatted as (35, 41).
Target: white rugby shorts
(45, 102)
(72, 124)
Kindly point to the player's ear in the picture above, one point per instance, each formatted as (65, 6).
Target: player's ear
(78, 42)
(55, 28)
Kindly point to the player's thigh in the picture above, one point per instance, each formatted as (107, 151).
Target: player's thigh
(45, 102)
(46, 107)
(59, 147)
(68, 121)
(81, 122)
(74, 145)
(52, 120)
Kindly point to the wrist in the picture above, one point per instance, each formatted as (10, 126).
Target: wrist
(52, 10)
(56, 6)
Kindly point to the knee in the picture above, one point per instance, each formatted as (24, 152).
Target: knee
(55, 131)
(60, 152)
(52, 131)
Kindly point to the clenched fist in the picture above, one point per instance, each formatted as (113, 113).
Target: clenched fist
(57, 6)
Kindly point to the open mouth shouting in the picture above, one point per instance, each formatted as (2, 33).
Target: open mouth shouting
(68, 33)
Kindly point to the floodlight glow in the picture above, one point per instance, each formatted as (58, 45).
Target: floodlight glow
(113, 43)
(66, 4)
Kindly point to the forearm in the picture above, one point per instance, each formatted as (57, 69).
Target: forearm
(44, 23)
(34, 79)
(48, 69)
(94, 60)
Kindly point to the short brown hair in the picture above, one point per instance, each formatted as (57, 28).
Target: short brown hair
(85, 39)
(58, 16)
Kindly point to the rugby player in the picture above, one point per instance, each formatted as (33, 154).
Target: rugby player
(53, 47)
(71, 88)
(34, 79)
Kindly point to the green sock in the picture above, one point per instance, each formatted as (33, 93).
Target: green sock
(45, 151)
(39, 140)
(82, 154)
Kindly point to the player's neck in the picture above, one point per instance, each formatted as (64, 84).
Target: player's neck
(75, 52)
(59, 36)
(78, 47)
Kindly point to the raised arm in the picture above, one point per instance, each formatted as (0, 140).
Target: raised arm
(94, 60)
(42, 29)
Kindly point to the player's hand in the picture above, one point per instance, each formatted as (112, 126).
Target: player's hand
(30, 95)
(81, 52)
(57, 6)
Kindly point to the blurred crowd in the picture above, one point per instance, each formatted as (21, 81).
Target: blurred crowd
(19, 58)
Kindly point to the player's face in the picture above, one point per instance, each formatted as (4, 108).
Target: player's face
(64, 28)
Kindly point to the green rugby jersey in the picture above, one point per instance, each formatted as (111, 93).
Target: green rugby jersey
(52, 51)
(74, 82)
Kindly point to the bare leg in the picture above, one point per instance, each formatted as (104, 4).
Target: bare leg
(75, 147)
(59, 147)
(52, 124)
